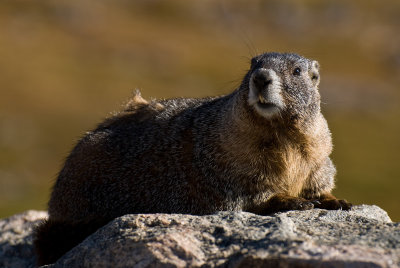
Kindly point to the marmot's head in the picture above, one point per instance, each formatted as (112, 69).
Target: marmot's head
(283, 85)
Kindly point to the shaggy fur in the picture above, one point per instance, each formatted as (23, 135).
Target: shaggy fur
(200, 156)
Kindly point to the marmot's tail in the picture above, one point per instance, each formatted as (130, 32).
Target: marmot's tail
(52, 238)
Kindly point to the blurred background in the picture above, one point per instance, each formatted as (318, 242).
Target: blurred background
(65, 65)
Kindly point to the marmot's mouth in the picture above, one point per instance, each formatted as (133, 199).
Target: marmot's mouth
(266, 105)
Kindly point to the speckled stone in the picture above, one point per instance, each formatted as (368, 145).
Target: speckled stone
(362, 237)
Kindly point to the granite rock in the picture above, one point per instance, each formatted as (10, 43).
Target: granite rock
(16, 249)
(362, 237)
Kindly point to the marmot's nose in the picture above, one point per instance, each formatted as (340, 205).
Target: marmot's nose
(261, 78)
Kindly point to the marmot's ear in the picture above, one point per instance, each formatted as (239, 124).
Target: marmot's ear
(314, 72)
(254, 61)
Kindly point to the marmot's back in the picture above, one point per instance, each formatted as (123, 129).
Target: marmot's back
(128, 160)
(263, 148)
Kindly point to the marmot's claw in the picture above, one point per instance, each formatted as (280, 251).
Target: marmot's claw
(316, 202)
(308, 205)
(345, 205)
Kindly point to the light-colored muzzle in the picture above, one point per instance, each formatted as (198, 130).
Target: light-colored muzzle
(265, 90)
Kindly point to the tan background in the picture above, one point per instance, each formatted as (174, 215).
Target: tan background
(65, 65)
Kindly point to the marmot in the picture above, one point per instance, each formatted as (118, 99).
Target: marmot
(263, 148)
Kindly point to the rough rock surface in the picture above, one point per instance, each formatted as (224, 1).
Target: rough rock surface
(362, 237)
(16, 239)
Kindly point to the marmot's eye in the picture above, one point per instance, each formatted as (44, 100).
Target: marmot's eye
(297, 71)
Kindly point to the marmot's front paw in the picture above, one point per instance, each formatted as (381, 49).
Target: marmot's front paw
(297, 204)
(281, 202)
(332, 204)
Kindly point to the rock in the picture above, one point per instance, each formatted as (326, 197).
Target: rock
(16, 248)
(362, 237)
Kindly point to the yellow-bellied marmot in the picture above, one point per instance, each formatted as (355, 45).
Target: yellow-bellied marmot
(263, 148)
